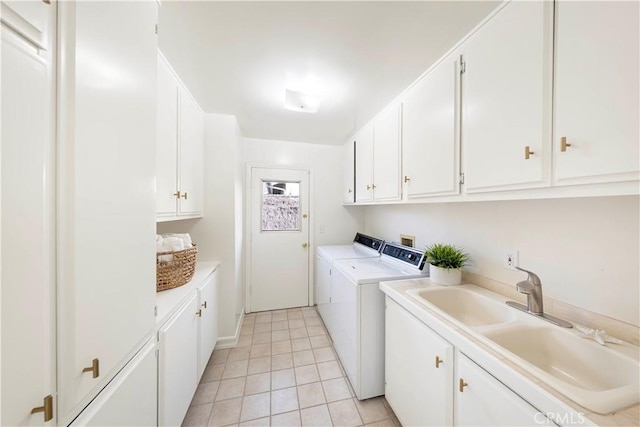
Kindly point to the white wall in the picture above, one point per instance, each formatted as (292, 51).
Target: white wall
(219, 234)
(325, 162)
(586, 251)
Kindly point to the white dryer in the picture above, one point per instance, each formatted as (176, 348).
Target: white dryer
(363, 246)
(356, 321)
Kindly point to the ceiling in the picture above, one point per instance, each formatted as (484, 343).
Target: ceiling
(237, 57)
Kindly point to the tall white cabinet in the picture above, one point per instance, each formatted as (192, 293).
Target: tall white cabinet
(27, 214)
(592, 142)
(106, 200)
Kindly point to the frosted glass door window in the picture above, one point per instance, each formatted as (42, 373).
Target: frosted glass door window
(280, 206)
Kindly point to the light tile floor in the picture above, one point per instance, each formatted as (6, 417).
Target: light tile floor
(284, 372)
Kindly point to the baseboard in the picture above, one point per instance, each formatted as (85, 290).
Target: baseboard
(231, 341)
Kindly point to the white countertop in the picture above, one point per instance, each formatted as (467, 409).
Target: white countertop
(528, 386)
(168, 301)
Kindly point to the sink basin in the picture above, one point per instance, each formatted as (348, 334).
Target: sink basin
(591, 375)
(467, 306)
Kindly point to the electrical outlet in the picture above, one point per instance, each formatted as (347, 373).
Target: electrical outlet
(510, 259)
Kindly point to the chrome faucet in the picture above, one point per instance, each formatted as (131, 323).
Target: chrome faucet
(532, 288)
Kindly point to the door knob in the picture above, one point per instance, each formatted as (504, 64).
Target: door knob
(94, 368)
(305, 244)
(47, 408)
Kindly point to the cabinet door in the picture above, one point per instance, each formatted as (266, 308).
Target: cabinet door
(418, 370)
(596, 93)
(482, 400)
(364, 165)
(208, 334)
(386, 155)
(106, 200)
(430, 146)
(167, 140)
(349, 172)
(191, 154)
(131, 399)
(28, 233)
(31, 18)
(506, 103)
(178, 366)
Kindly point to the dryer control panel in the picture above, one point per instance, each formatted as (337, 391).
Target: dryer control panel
(370, 242)
(409, 255)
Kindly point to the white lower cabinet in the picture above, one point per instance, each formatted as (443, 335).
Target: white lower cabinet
(425, 387)
(208, 324)
(418, 370)
(482, 400)
(130, 399)
(178, 364)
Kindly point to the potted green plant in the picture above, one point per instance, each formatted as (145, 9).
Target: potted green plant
(445, 263)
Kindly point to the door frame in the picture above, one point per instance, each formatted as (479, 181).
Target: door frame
(249, 166)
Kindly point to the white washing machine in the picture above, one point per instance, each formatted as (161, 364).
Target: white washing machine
(363, 246)
(356, 315)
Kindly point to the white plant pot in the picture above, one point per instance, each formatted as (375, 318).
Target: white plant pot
(445, 276)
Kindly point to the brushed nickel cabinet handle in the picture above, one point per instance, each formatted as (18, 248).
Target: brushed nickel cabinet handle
(563, 144)
(350, 191)
(462, 385)
(406, 179)
(185, 195)
(94, 368)
(368, 187)
(46, 408)
(204, 305)
(199, 313)
(177, 194)
(439, 362)
(373, 186)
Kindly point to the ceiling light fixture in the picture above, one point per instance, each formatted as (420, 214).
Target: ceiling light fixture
(302, 102)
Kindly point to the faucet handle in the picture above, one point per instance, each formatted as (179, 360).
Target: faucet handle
(532, 277)
(525, 287)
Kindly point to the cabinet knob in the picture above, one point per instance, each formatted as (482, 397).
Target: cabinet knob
(199, 313)
(94, 368)
(177, 194)
(350, 191)
(185, 195)
(439, 362)
(527, 152)
(563, 144)
(204, 305)
(46, 408)
(462, 385)
(406, 179)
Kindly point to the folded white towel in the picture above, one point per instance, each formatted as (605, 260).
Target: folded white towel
(185, 237)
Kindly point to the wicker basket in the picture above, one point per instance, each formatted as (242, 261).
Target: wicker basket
(171, 274)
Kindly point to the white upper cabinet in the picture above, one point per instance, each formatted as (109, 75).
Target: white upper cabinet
(30, 18)
(386, 155)
(28, 232)
(596, 92)
(349, 172)
(191, 153)
(364, 164)
(106, 199)
(430, 146)
(180, 149)
(167, 154)
(506, 99)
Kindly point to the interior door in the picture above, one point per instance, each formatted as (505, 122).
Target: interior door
(279, 239)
